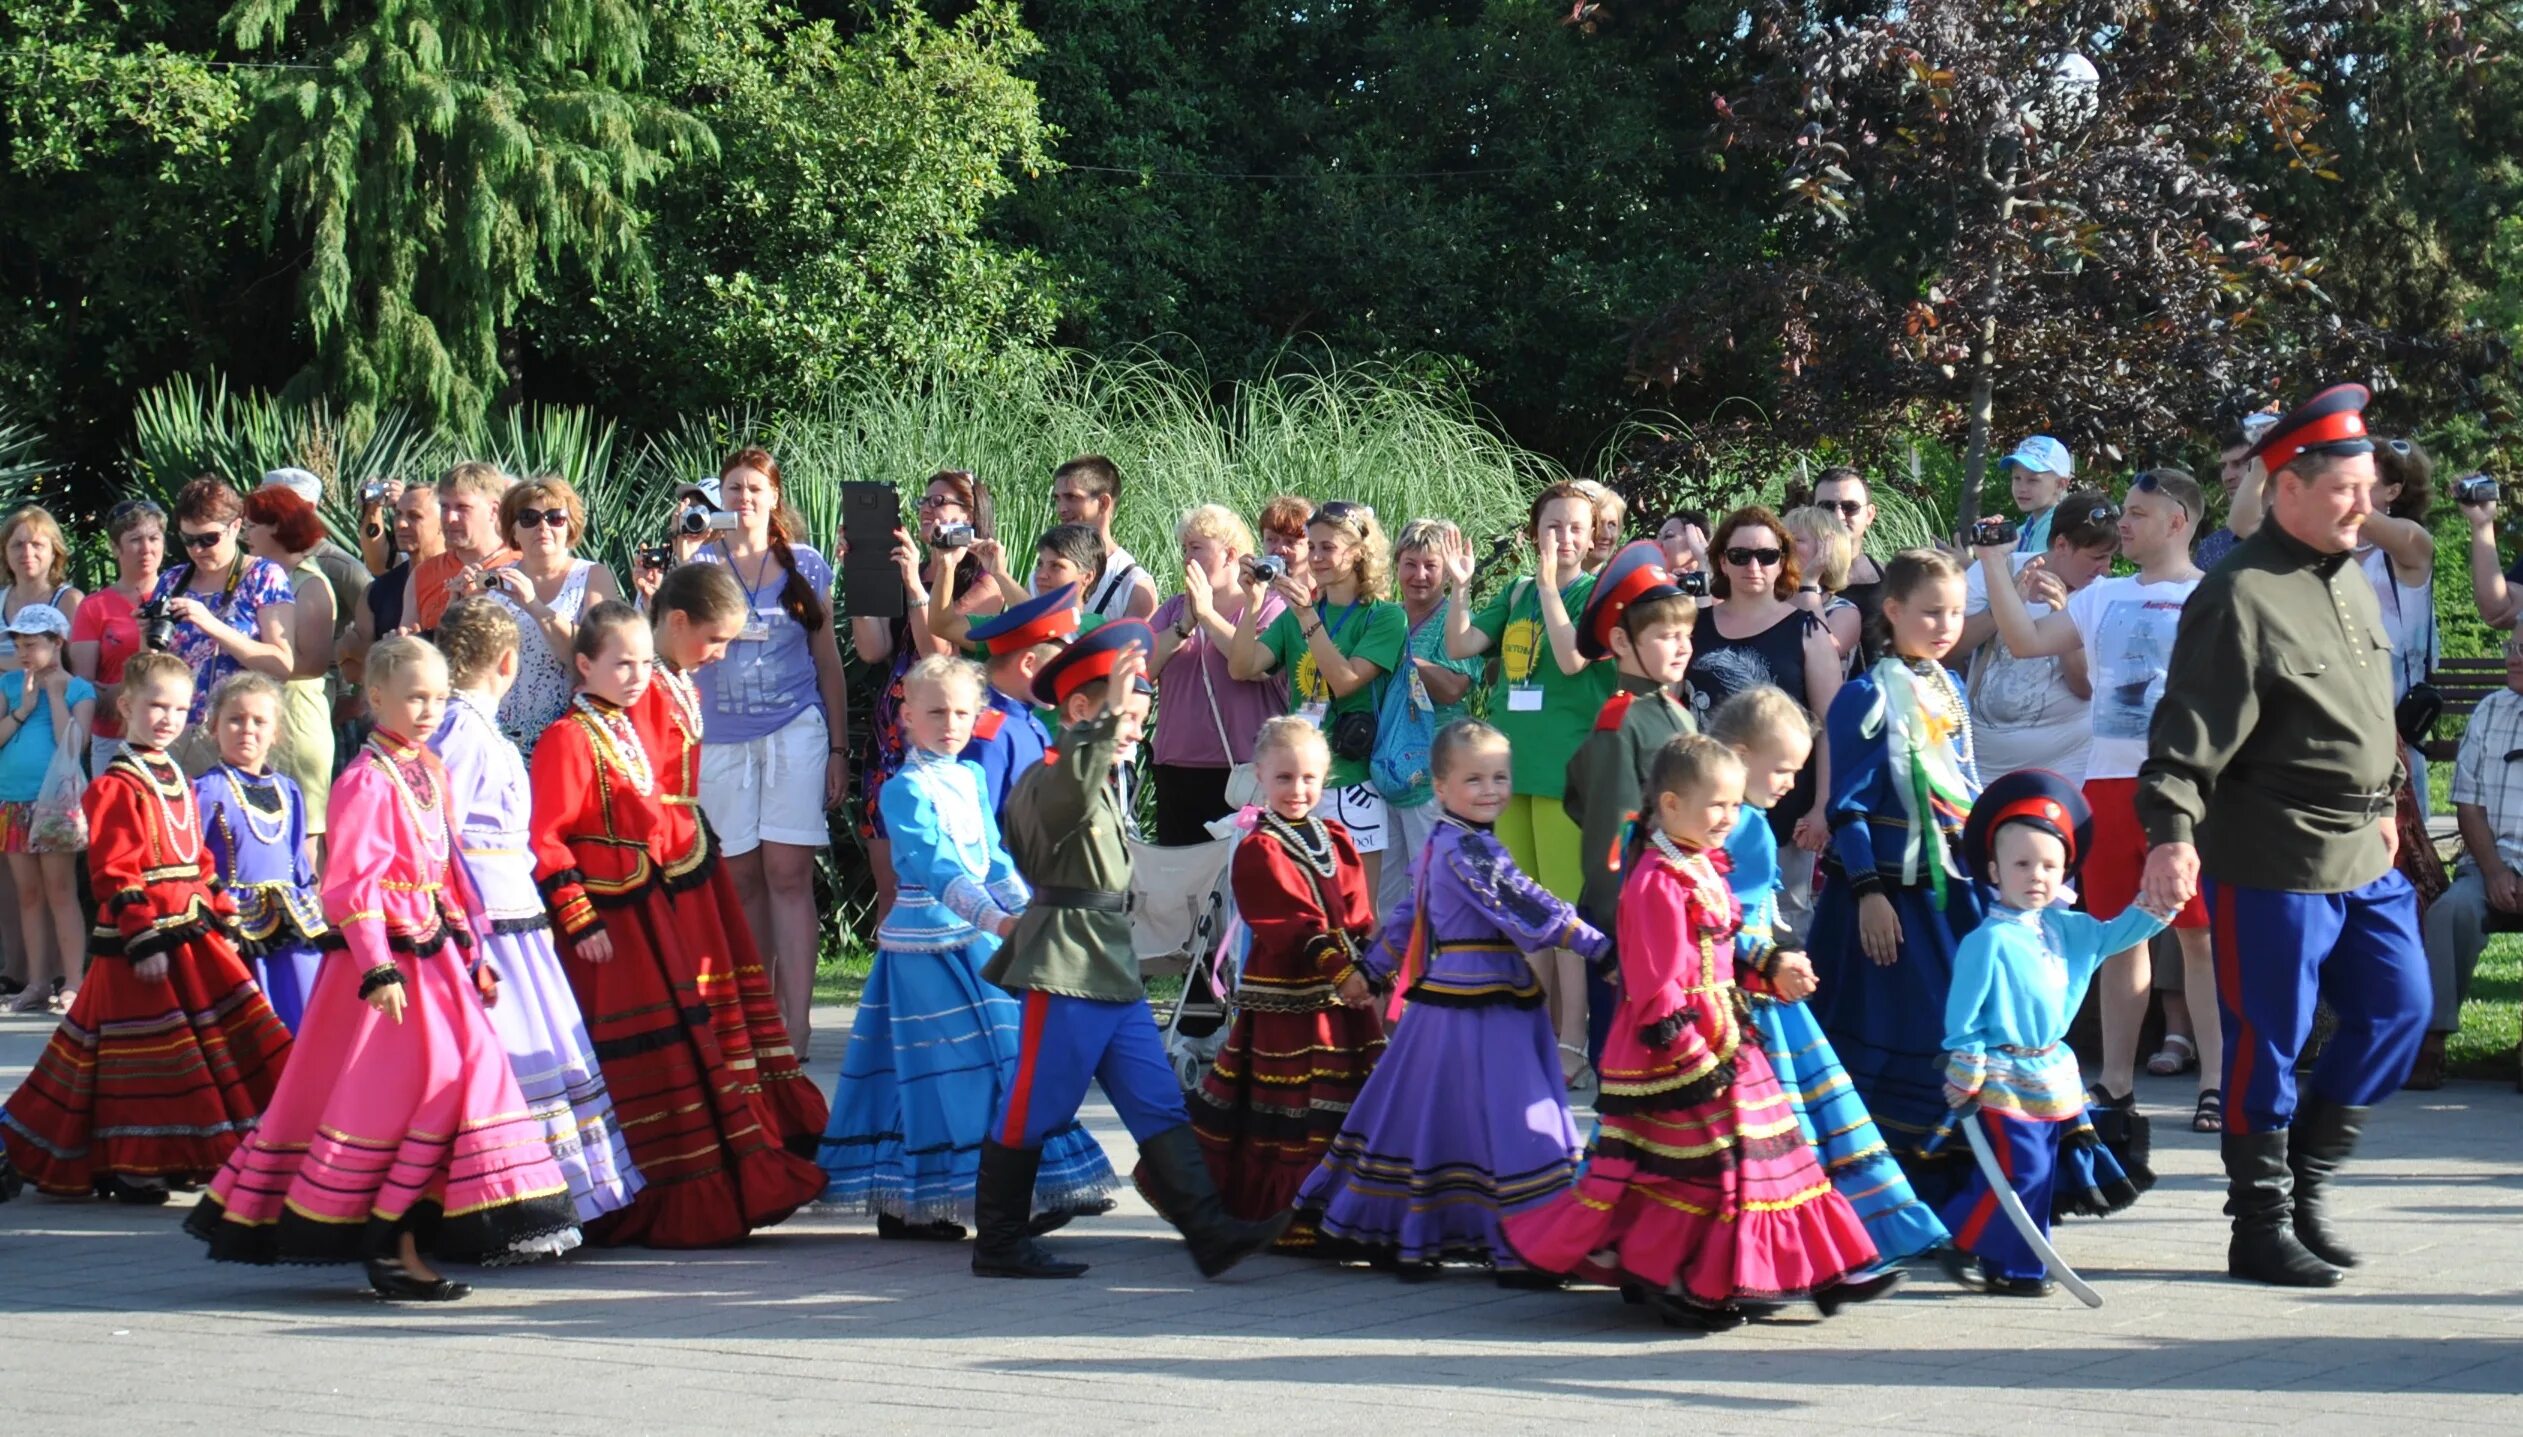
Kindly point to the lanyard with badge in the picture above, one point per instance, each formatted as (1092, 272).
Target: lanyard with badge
(1317, 708)
(1524, 696)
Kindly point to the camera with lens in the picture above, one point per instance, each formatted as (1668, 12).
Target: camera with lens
(2475, 489)
(1693, 584)
(1992, 531)
(1269, 568)
(696, 522)
(657, 556)
(156, 625)
(372, 493)
(952, 536)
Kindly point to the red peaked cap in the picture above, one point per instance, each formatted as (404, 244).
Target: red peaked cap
(2030, 795)
(2332, 421)
(1043, 619)
(1635, 575)
(1090, 659)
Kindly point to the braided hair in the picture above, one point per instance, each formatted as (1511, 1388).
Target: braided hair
(796, 595)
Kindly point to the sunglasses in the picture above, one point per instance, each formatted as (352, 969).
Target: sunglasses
(1746, 558)
(207, 539)
(2401, 447)
(546, 518)
(1342, 512)
(1845, 508)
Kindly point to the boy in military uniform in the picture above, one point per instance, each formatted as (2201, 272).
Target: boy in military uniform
(1008, 741)
(1071, 966)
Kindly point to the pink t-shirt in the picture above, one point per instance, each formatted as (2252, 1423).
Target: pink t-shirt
(1186, 734)
(105, 619)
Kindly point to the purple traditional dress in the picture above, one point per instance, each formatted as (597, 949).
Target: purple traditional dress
(1465, 1118)
(537, 1016)
(255, 826)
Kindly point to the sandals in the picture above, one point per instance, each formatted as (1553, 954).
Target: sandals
(1583, 1075)
(2209, 1116)
(30, 1000)
(2178, 1055)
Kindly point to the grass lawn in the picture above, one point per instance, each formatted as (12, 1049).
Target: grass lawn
(2484, 1048)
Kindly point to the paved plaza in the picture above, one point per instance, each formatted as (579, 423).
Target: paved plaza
(112, 1322)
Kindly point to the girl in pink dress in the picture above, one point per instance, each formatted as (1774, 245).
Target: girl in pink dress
(398, 1126)
(1700, 1192)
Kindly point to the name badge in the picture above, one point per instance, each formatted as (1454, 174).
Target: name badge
(1315, 713)
(757, 629)
(1524, 701)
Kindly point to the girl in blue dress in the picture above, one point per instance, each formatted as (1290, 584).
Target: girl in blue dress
(1895, 900)
(254, 827)
(934, 1047)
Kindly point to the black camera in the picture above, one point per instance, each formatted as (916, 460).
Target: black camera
(696, 522)
(660, 557)
(1992, 531)
(1693, 584)
(156, 625)
(2475, 489)
(952, 536)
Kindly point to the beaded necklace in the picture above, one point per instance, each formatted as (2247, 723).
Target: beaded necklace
(244, 785)
(180, 824)
(1307, 840)
(414, 804)
(618, 744)
(687, 700)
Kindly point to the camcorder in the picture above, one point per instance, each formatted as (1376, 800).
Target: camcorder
(2475, 489)
(1992, 531)
(1693, 584)
(696, 522)
(372, 493)
(953, 536)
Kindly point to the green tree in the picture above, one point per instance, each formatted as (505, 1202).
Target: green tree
(841, 233)
(443, 162)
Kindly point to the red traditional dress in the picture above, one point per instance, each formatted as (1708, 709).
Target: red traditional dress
(1700, 1183)
(148, 1081)
(727, 964)
(386, 1126)
(699, 1133)
(1279, 1089)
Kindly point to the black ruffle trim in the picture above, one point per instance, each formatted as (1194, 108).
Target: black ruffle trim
(1439, 998)
(700, 872)
(1696, 1093)
(694, 1019)
(150, 942)
(492, 1237)
(504, 927)
(405, 943)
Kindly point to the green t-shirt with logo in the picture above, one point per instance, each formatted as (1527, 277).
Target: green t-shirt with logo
(1545, 714)
(1376, 633)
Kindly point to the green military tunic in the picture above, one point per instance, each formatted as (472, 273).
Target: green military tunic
(1607, 784)
(2274, 747)
(1064, 829)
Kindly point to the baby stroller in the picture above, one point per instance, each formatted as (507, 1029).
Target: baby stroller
(1197, 1027)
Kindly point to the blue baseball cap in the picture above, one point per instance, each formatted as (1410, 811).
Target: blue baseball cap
(2042, 454)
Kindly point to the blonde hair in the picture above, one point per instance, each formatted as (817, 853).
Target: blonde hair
(1460, 739)
(1372, 565)
(148, 667)
(1834, 545)
(545, 490)
(1214, 522)
(1608, 503)
(1292, 733)
(1438, 534)
(1687, 763)
(942, 669)
(45, 524)
(473, 634)
(236, 688)
(394, 657)
(1757, 715)
(475, 476)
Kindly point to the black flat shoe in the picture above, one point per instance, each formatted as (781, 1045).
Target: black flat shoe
(1859, 1287)
(2019, 1286)
(1415, 1272)
(1025, 1259)
(1960, 1268)
(1526, 1279)
(894, 1229)
(114, 1188)
(394, 1284)
(1682, 1315)
(1060, 1217)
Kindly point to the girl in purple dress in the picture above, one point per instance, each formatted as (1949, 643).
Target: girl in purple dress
(1465, 1119)
(537, 1015)
(254, 824)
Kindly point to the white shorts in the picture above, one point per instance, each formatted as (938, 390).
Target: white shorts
(769, 789)
(1361, 810)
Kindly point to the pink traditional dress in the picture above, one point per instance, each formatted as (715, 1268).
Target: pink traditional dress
(381, 1127)
(1700, 1184)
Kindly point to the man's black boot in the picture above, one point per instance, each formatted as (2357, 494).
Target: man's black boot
(1002, 1203)
(1175, 1179)
(2324, 1134)
(2259, 1197)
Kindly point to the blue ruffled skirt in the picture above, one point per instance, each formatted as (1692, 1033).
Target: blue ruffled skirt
(1845, 1139)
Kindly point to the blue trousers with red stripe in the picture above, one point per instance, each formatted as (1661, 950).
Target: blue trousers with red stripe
(2276, 954)
(1064, 1043)
(2028, 1153)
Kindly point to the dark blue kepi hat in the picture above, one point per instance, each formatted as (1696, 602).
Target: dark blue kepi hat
(1043, 619)
(1635, 575)
(1089, 659)
(2331, 422)
(2028, 795)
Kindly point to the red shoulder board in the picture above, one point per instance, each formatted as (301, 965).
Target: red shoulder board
(987, 726)
(1615, 709)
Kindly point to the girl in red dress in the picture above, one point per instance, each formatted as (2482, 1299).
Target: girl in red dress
(1700, 1191)
(697, 611)
(1306, 1033)
(702, 1141)
(169, 1053)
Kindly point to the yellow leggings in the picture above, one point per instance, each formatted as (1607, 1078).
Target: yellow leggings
(1544, 843)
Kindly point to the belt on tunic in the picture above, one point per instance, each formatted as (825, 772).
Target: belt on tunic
(1094, 900)
(2014, 1052)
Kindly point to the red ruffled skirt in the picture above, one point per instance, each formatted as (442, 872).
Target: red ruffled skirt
(1274, 1098)
(149, 1080)
(1715, 1198)
(698, 1128)
(744, 1012)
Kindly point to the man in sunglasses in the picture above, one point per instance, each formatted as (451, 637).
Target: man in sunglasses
(1087, 490)
(2273, 769)
(1842, 490)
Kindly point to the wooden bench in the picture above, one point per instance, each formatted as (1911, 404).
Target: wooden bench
(2463, 682)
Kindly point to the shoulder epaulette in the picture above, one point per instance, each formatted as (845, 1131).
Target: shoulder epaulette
(1615, 709)
(987, 726)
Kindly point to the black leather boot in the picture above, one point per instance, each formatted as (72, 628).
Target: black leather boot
(1002, 1201)
(2324, 1134)
(1175, 1179)
(2259, 1197)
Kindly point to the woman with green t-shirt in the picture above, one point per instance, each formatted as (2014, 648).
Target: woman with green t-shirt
(1337, 638)
(1545, 701)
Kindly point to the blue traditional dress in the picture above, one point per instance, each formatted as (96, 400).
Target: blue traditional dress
(934, 1047)
(1843, 1134)
(2018, 981)
(1465, 1119)
(255, 827)
(1903, 777)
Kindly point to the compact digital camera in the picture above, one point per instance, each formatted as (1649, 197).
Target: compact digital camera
(1693, 584)
(2475, 489)
(952, 536)
(1992, 531)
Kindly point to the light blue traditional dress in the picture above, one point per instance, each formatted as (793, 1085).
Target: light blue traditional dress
(1843, 1134)
(2018, 981)
(934, 1047)
(254, 826)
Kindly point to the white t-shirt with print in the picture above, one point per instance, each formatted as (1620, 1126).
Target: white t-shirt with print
(2127, 625)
